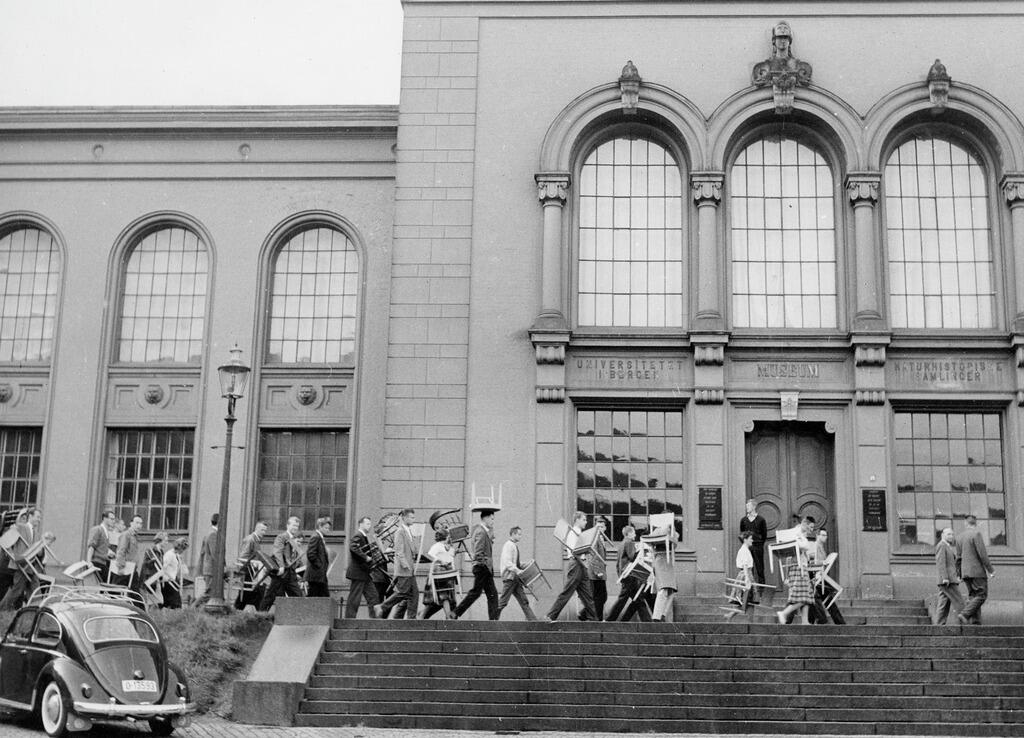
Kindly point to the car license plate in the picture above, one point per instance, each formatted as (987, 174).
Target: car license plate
(138, 685)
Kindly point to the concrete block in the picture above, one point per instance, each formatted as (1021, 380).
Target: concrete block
(304, 611)
(450, 101)
(458, 29)
(457, 65)
(422, 29)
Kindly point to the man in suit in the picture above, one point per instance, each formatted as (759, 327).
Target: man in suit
(630, 597)
(207, 554)
(576, 581)
(248, 552)
(98, 551)
(756, 524)
(949, 580)
(975, 569)
(359, 572)
(317, 560)
(597, 573)
(482, 545)
(406, 598)
(285, 558)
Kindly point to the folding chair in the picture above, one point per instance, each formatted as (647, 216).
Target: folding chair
(152, 583)
(79, 571)
(822, 578)
(531, 573)
(786, 543)
(32, 563)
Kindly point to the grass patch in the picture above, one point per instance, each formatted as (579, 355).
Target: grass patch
(214, 651)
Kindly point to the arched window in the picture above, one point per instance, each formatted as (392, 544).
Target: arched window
(783, 236)
(314, 299)
(630, 265)
(30, 266)
(940, 258)
(163, 301)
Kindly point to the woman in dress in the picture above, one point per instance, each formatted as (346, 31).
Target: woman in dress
(801, 593)
(174, 572)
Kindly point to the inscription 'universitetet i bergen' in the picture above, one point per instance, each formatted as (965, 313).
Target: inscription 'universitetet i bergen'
(628, 370)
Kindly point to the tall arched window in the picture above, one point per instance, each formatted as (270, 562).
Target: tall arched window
(314, 299)
(630, 265)
(163, 301)
(940, 258)
(30, 266)
(783, 237)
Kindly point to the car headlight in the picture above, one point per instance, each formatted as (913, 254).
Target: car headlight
(86, 690)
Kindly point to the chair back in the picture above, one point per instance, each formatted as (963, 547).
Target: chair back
(826, 565)
(786, 535)
(561, 533)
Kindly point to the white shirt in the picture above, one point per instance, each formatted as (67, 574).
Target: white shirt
(509, 554)
(172, 565)
(744, 560)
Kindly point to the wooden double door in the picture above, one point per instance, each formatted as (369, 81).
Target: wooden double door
(790, 469)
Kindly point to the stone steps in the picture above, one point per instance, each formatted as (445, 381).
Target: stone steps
(711, 677)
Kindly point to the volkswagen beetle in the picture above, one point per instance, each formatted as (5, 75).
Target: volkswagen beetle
(73, 656)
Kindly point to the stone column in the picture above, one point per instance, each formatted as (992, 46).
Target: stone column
(862, 189)
(551, 189)
(706, 188)
(1013, 190)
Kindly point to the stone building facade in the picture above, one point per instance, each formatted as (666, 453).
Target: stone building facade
(625, 258)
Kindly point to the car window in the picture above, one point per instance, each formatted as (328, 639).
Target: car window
(48, 631)
(21, 628)
(119, 628)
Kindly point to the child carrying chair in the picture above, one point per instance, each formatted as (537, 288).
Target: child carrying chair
(738, 591)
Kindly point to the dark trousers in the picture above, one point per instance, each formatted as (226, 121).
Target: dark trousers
(358, 590)
(599, 587)
(317, 589)
(576, 582)
(17, 592)
(405, 599)
(634, 602)
(514, 587)
(287, 583)
(382, 585)
(104, 569)
(977, 593)
(949, 596)
(757, 554)
(172, 597)
(483, 584)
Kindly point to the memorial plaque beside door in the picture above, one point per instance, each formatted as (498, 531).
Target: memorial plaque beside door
(709, 503)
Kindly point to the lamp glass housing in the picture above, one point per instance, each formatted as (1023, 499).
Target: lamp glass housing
(234, 375)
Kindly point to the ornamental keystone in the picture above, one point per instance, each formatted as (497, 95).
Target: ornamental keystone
(783, 71)
(629, 88)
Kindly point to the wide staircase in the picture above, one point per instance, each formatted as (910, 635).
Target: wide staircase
(735, 677)
(708, 609)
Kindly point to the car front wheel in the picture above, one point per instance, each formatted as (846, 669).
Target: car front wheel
(53, 710)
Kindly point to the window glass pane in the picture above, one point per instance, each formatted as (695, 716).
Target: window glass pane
(948, 466)
(305, 474)
(937, 230)
(630, 252)
(29, 274)
(149, 473)
(19, 466)
(782, 244)
(639, 482)
(314, 294)
(163, 298)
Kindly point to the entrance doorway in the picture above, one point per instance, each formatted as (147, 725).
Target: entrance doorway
(791, 471)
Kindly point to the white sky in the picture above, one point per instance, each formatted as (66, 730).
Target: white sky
(199, 52)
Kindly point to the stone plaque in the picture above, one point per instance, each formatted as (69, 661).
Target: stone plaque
(951, 373)
(791, 374)
(625, 372)
(874, 509)
(709, 507)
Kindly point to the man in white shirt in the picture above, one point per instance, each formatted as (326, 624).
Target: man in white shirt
(511, 568)
(576, 578)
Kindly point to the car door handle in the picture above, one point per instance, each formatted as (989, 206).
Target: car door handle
(23, 651)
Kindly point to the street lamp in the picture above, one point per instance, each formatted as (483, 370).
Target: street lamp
(233, 377)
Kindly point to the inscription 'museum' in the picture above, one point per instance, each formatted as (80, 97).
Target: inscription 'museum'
(788, 370)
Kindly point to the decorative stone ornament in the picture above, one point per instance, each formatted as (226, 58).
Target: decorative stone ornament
(789, 405)
(783, 71)
(306, 394)
(629, 86)
(938, 86)
(154, 394)
(6, 393)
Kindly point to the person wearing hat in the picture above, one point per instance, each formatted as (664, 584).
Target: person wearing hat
(482, 548)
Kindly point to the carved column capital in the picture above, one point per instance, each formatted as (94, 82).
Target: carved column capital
(1013, 189)
(707, 187)
(862, 187)
(552, 187)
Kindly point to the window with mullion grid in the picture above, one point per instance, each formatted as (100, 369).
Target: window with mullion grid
(302, 474)
(783, 237)
(629, 464)
(949, 465)
(19, 466)
(149, 473)
(30, 266)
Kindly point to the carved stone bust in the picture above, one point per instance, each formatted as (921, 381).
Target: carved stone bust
(783, 71)
(306, 394)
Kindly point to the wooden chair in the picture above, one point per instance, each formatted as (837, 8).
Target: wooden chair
(531, 574)
(786, 543)
(79, 571)
(822, 578)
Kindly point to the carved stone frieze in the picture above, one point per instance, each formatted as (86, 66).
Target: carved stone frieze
(869, 397)
(1013, 189)
(869, 355)
(551, 394)
(863, 188)
(629, 88)
(713, 355)
(706, 187)
(938, 86)
(550, 353)
(708, 396)
(552, 187)
(782, 71)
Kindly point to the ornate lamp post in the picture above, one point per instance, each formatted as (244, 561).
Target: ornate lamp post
(233, 377)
